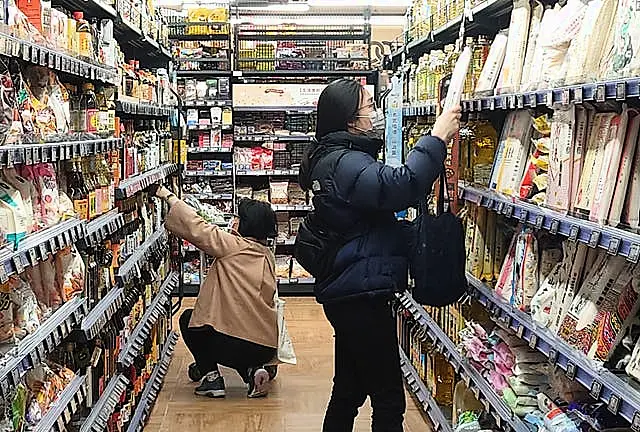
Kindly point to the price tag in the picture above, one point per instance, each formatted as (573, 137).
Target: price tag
(520, 331)
(566, 96)
(578, 95)
(17, 261)
(635, 424)
(534, 100)
(508, 211)
(45, 154)
(28, 156)
(539, 221)
(614, 246)
(10, 158)
(61, 243)
(511, 100)
(523, 215)
(33, 256)
(492, 104)
(553, 356)
(533, 341)
(549, 98)
(44, 253)
(555, 226)
(596, 390)
(52, 245)
(35, 55)
(600, 95)
(571, 370)
(594, 239)
(43, 58)
(621, 91)
(478, 105)
(573, 233)
(54, 153)
(614, 404)
(3, 274)
(520, 101)
(634, 253)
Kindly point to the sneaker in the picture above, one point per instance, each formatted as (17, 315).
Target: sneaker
(194, 372)
(258, 383)
(212, 385)
(273, 371)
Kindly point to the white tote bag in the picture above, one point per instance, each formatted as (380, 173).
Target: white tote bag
(286, 353)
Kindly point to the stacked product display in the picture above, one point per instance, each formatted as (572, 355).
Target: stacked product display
(547, 160)
(85, 275)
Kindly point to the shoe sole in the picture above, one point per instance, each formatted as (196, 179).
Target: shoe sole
(260, 384)
(214, 394)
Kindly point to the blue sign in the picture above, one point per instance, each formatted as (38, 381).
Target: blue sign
(393, 134)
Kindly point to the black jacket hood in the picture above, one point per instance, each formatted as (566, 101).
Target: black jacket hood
(331, 142)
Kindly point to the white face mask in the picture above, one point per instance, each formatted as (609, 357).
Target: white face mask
(378, 124)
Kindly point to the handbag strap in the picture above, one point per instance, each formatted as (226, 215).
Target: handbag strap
(443, 191)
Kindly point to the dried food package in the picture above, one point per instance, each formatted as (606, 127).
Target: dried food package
(70, 273)
(47, 186)
(261, 195)
(623, 45)
(582, 118)
(623, 177)
(470, 232)
(561, 156)
(279, 192)
(493, 65)
(13, 214)
(476, 253)
(613, 147)
(535, 179)
(26, 313)
(7, 336)
(297, 271)
(576, 256)
(505, 279)
(511, 73)
(512, 153)
(283, 265)
(297, 196)
(593, 158)
(489, 247)
(50, 284)
(27, 190)
(532, 40)
(599, 40)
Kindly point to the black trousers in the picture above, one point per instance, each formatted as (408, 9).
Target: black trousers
(211, 348)
(367, 363)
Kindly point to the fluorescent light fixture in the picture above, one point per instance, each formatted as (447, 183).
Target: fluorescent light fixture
(356, 3)
(290, 7)
(376, 20)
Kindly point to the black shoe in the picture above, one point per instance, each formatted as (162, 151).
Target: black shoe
(273, 371)
(212, 385)
(258, 383)
(194, 372)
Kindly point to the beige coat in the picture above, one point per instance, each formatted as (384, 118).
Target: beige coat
(236, 297)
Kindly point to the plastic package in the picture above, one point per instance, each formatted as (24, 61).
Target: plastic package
(493, 65)
(511, 73)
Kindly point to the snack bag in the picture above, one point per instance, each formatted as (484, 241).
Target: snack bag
(13, 214)
(7, 335)
(26, 313)
(70, 270)
(47, 185)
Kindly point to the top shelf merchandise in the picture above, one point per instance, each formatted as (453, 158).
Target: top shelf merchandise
(201, 39)
(302, 48)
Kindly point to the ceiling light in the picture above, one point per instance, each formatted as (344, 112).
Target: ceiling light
(291, 7)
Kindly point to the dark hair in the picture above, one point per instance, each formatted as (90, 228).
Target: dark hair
(257, 219)
(338, 105)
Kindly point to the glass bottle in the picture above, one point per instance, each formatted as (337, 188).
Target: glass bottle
(91, 107)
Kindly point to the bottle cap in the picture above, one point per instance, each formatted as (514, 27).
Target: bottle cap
(78, 15)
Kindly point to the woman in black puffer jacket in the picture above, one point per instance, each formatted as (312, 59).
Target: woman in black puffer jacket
(356, 196)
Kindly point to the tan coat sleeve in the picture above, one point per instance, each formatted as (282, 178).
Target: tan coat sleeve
(184, 222)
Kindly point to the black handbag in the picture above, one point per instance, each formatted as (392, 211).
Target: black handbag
(437, 260)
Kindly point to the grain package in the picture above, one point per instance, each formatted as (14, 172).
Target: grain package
(561, 154)
(624, 172)
(470, 232)
(613, 147)
(534, 33)
(6, 317)
(623, 46)
(599, 40)
(511, 158)
(631, 208)
(511, 73)
(570, 280)
(502, 242)
(594, 155)
(493, 64)
(579, 143)
(578, 50)
(506, 278)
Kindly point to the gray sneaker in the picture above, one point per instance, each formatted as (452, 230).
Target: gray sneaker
(258, 383)
(212, 385)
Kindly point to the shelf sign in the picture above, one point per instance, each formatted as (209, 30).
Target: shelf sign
(393, 133)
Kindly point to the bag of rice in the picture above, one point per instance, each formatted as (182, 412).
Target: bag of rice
(624, 172)
(511, 73)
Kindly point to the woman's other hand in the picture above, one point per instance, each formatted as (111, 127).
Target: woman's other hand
(162, 192)
(448, 124)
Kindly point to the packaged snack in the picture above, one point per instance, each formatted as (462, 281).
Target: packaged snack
(493, 65)
(279, 192)
(26, 313)
(70, 269)
(13, 214)
(34, 278)
(52, 290)
(561, 158)
(6, 316)
(47, 186)
(27, 190)
(624, 172)
(534, 28)
(511, 73)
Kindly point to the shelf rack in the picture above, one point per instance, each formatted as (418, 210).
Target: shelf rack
(130, 186)
(423, 395)
(34, 348)
(102, 410)
(140, 333)
(493, 404)
(620, 396)
(608, 90)
(616, 241)
(153, 385)
(131, 267)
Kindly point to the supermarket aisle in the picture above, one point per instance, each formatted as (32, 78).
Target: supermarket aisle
(295, 404)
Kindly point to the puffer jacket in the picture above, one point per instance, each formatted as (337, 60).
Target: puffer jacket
(357, 196)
